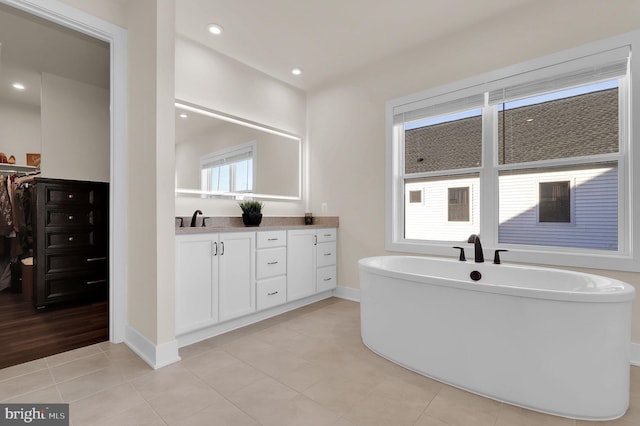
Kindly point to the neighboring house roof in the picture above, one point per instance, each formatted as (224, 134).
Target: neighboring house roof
(578, 126)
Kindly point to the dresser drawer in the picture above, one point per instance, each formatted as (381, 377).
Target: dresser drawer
(69, 196)
(328, 234)
(271, 262)
(73, 217)
(326, 254)
(271, 292)
(72, 262)
(66, 239)
(325, 278)
(68, 288)
(269, 239)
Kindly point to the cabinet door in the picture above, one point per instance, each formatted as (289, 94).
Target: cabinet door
(301, 257)
(196, 281)
(237, 287)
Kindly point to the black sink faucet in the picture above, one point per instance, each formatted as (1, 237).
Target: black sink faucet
(193, 218)
(475, 239)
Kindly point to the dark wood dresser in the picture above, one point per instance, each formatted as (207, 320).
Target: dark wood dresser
(71, 241)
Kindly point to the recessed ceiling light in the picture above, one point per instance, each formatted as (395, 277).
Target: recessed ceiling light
(183, 115)
(296, 71)
(18, 86)
(215, 29)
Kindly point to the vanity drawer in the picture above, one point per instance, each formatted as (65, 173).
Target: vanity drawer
(271, 262)
(326, 254)
(328, 234)
(269, 239)
(271, 292)
(325, 278)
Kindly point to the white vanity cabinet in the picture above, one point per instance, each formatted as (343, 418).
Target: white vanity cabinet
(311, 261)
(196, 281)
(214, 278)
(236, 285)
(271, 268)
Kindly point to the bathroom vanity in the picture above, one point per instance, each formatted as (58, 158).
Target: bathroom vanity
(228, 277)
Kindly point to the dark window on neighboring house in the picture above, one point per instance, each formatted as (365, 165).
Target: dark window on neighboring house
(555, 202)
(459, 204)
(415, 197)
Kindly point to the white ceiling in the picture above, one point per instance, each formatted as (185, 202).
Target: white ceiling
(31, 46)
(326, 38)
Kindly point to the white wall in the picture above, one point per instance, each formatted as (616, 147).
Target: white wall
(215, 81)
(346, 118)
(75, 130)
(19, 130)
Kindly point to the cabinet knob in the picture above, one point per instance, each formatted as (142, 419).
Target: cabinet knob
(70, 196)
(70, 217)
(70, 238)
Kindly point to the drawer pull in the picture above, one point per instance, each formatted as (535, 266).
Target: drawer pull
(328, 235)
(272, 239)
(328, 254)
(71, 217)
(96, 282)
(272, 293)
(272, 263)
(96, 259)
(70, 238)
(327, 279)
(71, 196)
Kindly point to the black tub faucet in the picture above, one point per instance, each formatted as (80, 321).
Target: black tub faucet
(475, 239)
(193, 218)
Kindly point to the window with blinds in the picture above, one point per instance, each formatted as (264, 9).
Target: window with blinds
(545, 152)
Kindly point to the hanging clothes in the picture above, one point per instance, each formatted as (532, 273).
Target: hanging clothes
(6, 212)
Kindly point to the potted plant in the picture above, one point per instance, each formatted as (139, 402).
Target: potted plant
(251, 213)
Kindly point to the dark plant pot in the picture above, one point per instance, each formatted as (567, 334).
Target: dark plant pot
(251, 219)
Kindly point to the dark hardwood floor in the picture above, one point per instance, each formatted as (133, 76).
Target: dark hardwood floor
(27, 334)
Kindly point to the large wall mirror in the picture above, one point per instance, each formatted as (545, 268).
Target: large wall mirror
(218, 155)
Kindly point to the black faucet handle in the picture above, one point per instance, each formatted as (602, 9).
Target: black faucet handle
(462, 257)
(181, 222)
(496, 256)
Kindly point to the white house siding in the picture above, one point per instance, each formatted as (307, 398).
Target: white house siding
(429, 220)
(594, 215)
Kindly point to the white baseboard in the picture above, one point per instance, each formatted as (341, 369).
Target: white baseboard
(348, 293)
(157, 356)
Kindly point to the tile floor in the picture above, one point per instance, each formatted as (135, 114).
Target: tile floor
(305, 367)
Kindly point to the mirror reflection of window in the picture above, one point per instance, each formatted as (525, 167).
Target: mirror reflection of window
(229, 170)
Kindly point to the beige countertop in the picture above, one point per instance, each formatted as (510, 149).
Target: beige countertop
(234, 224)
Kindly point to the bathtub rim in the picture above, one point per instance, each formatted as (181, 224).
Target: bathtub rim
(627, 294)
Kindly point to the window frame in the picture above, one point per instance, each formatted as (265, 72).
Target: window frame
(626, 258)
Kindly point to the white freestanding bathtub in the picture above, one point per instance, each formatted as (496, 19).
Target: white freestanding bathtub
(549, 340)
